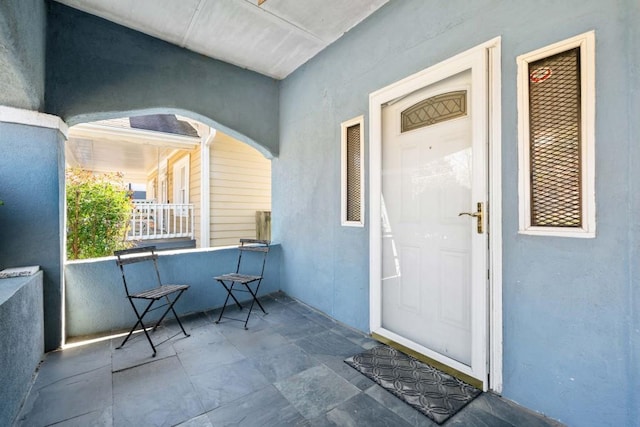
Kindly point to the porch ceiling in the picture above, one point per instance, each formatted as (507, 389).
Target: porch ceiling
(273, 39)
(133, 160)
(107, 147)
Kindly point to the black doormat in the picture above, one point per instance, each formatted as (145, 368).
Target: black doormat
(434, 393)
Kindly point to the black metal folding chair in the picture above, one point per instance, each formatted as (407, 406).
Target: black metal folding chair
(167, 295)
(241, 281)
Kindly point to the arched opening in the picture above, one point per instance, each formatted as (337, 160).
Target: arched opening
(193, 183)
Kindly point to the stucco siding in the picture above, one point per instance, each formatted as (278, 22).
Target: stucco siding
(100, 307)
(571, 307)
(567, 340)
(22, 53)
(21, 340)
(31, 219)
(92, 63)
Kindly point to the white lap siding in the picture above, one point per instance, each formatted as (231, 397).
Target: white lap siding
(240, 186)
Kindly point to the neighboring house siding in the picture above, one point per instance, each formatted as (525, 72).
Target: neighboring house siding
(171, 161)
(240, 186)
(194, 181)
(571, 349)
(194, 177)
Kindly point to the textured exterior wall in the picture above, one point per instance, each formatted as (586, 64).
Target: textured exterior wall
(631, 309)
(570, 305)
(21, 340)
(22, 52)
(31, 186)
(97, 69)
(95, 297)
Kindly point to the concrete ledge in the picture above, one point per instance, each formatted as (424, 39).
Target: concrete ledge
(95, 299)
(21, 340)
(32, 118)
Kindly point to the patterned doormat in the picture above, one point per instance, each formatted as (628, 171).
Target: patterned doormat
(434, 393)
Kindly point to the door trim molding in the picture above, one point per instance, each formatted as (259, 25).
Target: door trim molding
(395, 91)
(494, 55)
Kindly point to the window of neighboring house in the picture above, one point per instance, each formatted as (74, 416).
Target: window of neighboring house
(181, 184)
(163, 186)
(164, 196)
(556, 99)
(151, 189)
(352, 194)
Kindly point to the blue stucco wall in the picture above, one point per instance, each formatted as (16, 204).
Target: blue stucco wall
(92, 63)
(31, 186)
(95, 296)
(21, 340)
(632, 308)
(22, 53)
(570, 308)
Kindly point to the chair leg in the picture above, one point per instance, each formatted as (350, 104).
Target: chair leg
(226, 300)
(248, 314)
(255, 297)
(180, 323)
(170, 308)
(253, 300)
(139, 322)
(230, 291)
(225, 303)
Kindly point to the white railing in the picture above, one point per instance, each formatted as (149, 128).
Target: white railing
(150, 220)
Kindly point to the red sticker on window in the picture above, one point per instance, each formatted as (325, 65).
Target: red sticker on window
(540, 74)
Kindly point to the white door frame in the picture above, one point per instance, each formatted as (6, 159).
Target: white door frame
(401, 88)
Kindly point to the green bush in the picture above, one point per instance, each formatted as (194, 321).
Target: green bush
(98, 211)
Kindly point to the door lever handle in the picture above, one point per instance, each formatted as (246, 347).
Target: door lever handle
(474, 214)
(477, 215)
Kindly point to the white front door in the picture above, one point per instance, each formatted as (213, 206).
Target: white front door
(433, 247)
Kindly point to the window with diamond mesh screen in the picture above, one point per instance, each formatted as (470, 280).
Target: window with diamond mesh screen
(437, 109)
(354, 177)
(555, 140)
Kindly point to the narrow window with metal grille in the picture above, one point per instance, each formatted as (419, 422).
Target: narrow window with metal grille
(554, 135)
(556, 120)
(352, 192)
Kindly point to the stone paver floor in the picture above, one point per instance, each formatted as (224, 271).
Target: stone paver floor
(286, 370)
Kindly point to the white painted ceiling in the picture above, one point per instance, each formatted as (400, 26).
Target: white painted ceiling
(113, 146)
(273, 39)
(134, 161)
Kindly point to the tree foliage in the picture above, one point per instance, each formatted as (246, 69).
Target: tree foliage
(98, 210)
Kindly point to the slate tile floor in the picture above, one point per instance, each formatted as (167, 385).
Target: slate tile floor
(286, 370)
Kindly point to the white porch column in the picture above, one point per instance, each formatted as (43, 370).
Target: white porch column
(205, 190)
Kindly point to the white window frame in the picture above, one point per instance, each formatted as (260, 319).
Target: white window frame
(343, 193)
(163, 189)
(182, 163)
(163, 183)
(586, 43)
(151, 189)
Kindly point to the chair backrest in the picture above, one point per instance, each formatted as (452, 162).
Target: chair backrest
(252, 246)
(134, 256)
